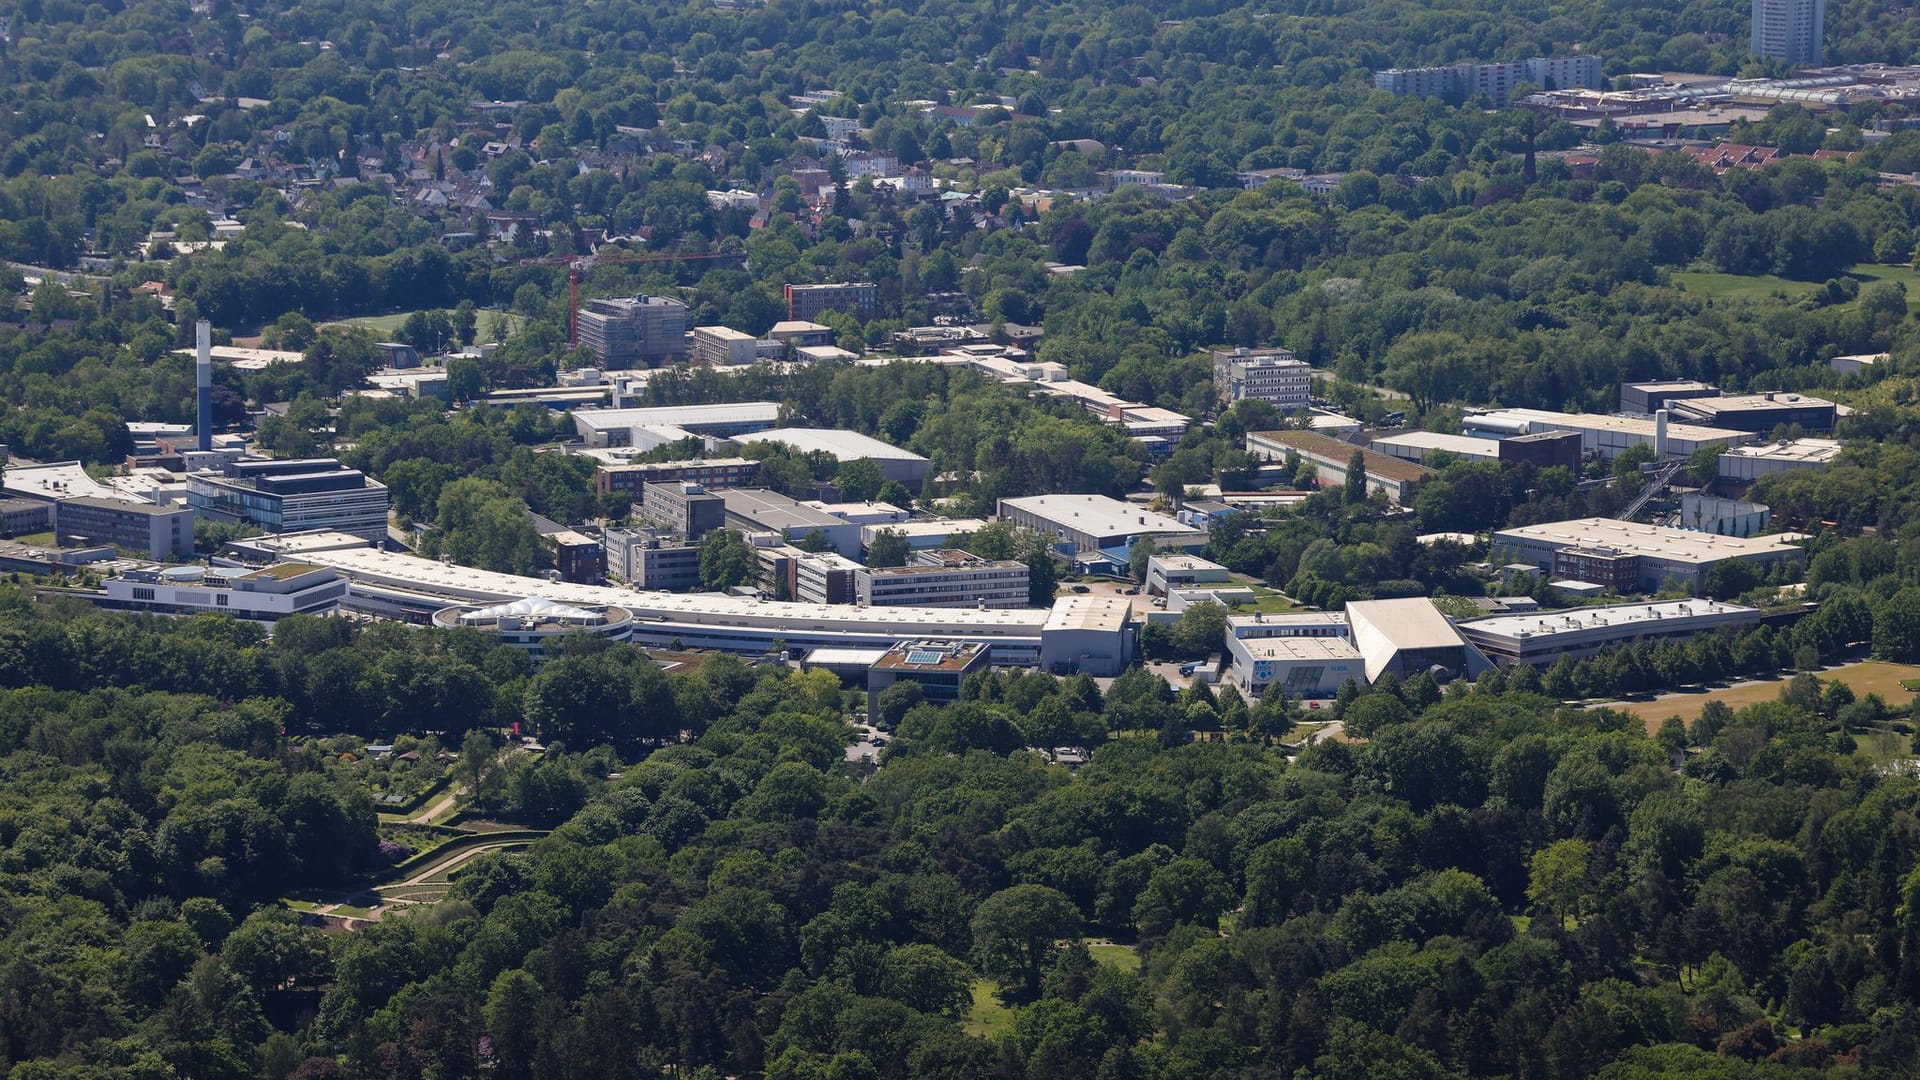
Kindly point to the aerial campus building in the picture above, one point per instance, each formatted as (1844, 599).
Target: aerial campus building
(1629, 557)
(1094, 634)
(1541, 638)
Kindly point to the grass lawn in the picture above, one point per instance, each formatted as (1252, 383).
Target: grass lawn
(988, 1018)
(1866, 677)
(39, 539)
(1718, 286)
(1882, 745)
(1269, 602)
(388, 325)
(1120, 957)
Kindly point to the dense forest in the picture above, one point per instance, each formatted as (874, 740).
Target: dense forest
(1493, 885)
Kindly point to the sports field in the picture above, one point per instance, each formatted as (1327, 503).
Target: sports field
(1866, 677)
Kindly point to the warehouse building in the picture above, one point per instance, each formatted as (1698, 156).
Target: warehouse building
(1607, 436)
(615, 427)
(1416, 445)
(1097, 523)
(1750, 463)
(904, 466)
(1091, 634)
(1640, 557)
(1331, 457)
(1541, 638)
(1759, 412)
(1647, 398)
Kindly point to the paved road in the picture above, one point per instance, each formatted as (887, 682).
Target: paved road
(425, 817)
(453, 862)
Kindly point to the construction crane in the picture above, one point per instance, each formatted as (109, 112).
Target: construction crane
(577, 265)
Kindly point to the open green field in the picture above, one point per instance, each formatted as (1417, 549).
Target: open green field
(988, 1018)
(1717, 286)
(1866, 677)
(388, 325)
(1120, 957)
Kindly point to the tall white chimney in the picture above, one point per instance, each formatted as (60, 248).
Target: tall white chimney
(203, 383)
(1660, 435)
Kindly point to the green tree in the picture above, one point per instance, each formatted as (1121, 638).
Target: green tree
(859, 480)
(725, 560)
(1016, 931)
(1356, 485)
(889, 548)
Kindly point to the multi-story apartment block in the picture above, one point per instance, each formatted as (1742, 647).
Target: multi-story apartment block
(806, 303)
(1790, 30)
(1274, 376)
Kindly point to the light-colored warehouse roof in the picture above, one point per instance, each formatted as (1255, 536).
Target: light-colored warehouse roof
(1813, 451)
(687, 416)
(844, 445)
(1424, 441)
(1638, 426)
(1596, 618)
(1650, 541)
(1105, 613)
(1098, 515)
(1299, 648)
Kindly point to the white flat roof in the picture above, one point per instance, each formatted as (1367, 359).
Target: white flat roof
(1541, 420)
(1098, 515)
(724, 333)
(844, 445)
(1105, 613)
(58, 480)
(943, 528)
(1811, 450)
(1539, 623)
(352, 556)
(1299, 648)
(1652, 541)
(679, 415)
(1238, 623)
(1186, 562)
(1464, 445)
(845, 656)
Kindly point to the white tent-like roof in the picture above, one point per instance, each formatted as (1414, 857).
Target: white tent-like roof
(534, 607)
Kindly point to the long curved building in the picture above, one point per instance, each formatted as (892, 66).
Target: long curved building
(1094, 634)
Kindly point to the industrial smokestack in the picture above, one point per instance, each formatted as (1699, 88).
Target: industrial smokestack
(203, 383)
(1660, 435)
